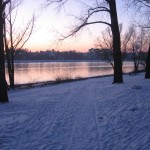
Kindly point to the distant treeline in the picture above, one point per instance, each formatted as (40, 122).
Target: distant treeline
(92, 54)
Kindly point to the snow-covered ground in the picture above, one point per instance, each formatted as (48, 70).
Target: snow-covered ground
(85, 115)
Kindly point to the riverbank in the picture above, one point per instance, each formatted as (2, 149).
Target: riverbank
(58, 81)
(89, 114)
(41, 61)
(65, 80)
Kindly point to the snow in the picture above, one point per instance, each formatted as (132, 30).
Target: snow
(92, 114)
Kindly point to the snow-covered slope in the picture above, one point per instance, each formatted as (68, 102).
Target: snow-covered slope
(85, 115)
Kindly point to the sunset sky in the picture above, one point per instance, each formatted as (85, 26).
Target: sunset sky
(49, 22)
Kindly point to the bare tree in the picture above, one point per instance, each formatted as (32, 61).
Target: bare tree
(146, 4)
(3, 83)
(14, 40)
(143, 44)
(105, 42)
(133, 45)
(147, 68)
(125, 42)
(142, 11)
(136, 41)
(107, 7)
(143, 7)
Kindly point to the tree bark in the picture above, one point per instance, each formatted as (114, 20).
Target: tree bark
(3, 83)
(12, 84)
(8, 58)
(118, 75)
(147, 68)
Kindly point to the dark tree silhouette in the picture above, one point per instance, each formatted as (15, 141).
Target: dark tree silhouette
(3, 83)
(116, 42)
(108, 7)
(147, 68)
(144, 7)
(14, 40)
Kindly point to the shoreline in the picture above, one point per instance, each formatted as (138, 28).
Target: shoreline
(47, 83)
(57, 61)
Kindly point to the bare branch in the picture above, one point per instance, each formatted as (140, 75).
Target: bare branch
(60, 2)
(84, 21)
(29, 25)
(142, 8)
(97, 9)
(30, 33)
(78, 28)
(5, 3)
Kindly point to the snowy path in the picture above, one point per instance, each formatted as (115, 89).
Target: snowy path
(84, 115)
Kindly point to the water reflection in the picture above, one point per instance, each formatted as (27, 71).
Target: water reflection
(44, 71)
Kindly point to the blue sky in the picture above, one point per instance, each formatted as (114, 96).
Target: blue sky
(49, 22)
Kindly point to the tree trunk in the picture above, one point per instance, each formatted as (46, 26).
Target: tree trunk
(10, 66)
(135, 63)
(11, 51)
(147, 68)
(8, 58)
(135, 66)
(3, 83)
(12, 84)
(118, 77)
(8, 63)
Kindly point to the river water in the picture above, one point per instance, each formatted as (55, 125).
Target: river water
(32, 72)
